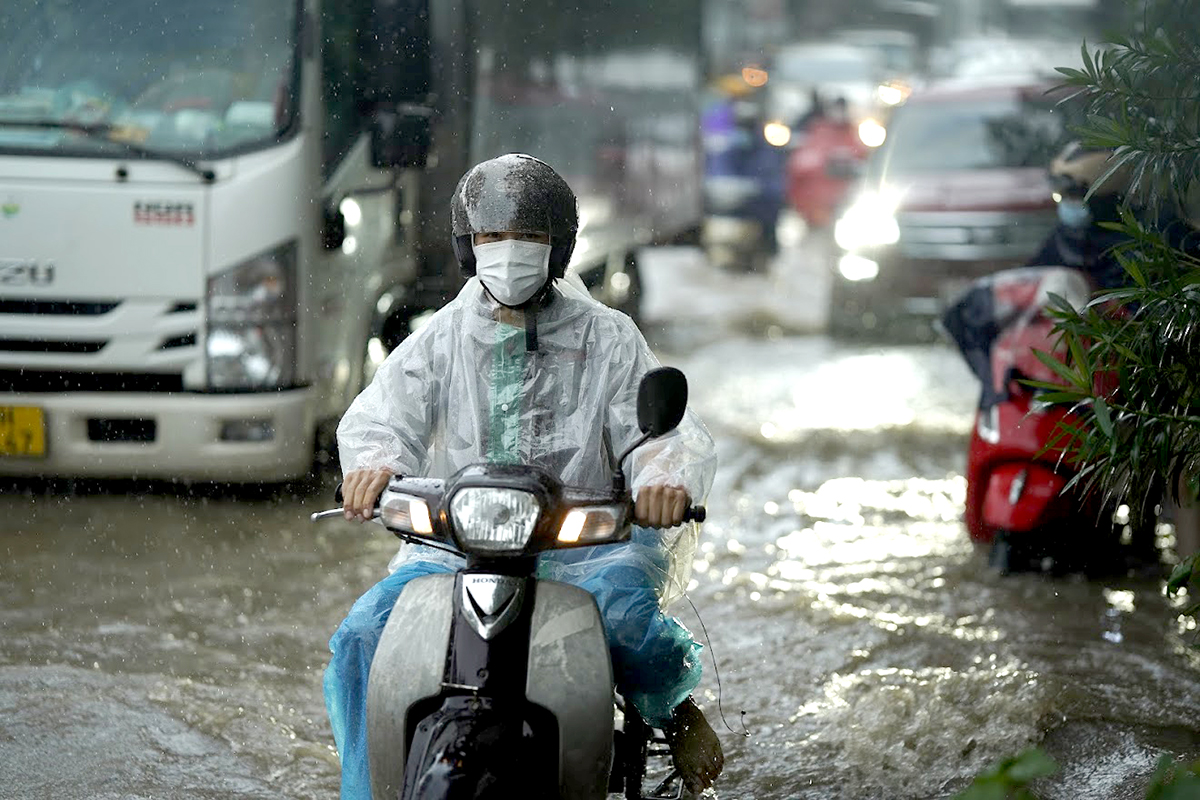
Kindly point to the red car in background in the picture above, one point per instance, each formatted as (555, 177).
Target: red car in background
(959, 190)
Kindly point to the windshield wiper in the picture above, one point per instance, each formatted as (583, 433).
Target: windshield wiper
(103, 131)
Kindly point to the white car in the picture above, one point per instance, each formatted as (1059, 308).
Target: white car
(831, 70)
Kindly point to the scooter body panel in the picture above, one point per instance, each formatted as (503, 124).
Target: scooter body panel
(570, 674)
(1015, 443)
(408, 667)
(1022, 496)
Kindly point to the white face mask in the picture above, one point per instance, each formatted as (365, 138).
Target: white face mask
(512, 270)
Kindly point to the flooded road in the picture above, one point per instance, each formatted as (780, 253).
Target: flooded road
(171, 644)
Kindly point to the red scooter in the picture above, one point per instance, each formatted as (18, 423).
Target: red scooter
(1016, 505)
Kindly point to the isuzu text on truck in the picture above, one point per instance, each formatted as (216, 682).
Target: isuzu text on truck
(216, 217)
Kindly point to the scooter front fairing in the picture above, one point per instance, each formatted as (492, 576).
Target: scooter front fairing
(1009, 440)
(439, 686)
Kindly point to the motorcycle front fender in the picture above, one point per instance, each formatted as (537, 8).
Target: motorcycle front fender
(1022, 496)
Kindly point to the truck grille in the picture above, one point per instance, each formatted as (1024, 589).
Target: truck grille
(44, 346)
(121, 430)
(79, 308)
(186, 340)
(31, 380)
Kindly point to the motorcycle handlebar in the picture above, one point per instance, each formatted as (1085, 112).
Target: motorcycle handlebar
(692, 514)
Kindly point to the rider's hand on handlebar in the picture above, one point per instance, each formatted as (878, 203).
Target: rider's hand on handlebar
(660, 506)
(360, 490)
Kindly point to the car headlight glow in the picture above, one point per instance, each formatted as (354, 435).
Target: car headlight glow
(856, 268)
(869, 222)
(251, 341)
(872, 133)
(892, 94)
(777, 134)
(494, 520)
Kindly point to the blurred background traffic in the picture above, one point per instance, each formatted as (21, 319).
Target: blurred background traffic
(908, 142)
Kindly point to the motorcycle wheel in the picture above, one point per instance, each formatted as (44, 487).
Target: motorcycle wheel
(1004, 556)
(467, 750)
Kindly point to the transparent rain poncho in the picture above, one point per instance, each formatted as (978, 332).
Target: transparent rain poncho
(465, 389)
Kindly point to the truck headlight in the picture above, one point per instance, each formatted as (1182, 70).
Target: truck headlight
(252, 323)
(494, 520)
(869, 222)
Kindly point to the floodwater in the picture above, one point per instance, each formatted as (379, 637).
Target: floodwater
(162, 643)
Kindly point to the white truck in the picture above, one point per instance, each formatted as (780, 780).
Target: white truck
(216, 217)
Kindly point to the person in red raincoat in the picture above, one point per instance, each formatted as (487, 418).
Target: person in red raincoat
(822, 167)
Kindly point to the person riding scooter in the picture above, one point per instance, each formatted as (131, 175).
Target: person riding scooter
(1017, 472)
(1079, 240)
(524, 367)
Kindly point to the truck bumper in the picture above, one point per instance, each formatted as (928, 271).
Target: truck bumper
(172, 436)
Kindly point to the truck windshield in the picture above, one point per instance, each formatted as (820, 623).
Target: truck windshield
(993, 133)
(192, 79)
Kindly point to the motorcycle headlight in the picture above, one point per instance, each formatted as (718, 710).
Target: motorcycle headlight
(252, 323)
(494, 520)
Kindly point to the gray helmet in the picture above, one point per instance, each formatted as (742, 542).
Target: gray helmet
(514, 192)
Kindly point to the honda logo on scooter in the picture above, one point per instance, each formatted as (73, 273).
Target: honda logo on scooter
(25, 272)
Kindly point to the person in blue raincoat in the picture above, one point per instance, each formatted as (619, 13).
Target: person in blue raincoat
(523, 366)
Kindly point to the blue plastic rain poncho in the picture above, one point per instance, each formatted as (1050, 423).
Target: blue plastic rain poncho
(464, 389)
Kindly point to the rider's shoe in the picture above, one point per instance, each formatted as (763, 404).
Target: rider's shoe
(695, 747)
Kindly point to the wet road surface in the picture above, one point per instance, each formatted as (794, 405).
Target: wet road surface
(163, 643)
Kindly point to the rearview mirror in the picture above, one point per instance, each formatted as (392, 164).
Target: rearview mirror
(662, 401)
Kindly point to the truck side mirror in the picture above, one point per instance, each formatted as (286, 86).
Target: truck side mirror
(400, 137)
(399, 79)
(662, 401)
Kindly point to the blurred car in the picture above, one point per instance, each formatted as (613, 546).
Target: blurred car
(992, 56)
(828, 70)
(899, 56)
(959, 190)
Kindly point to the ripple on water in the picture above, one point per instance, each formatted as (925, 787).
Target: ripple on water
(904, 667)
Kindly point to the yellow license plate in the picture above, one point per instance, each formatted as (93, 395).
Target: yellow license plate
(22, 431)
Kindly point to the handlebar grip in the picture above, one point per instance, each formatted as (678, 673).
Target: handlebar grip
(695, 514)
